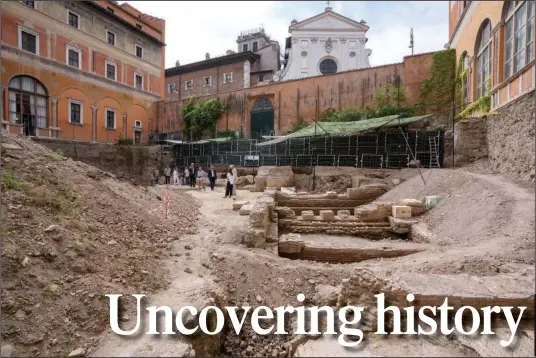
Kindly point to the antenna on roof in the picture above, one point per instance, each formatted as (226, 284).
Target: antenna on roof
(411, 41)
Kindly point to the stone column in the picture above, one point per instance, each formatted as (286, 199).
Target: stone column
(124, 131)
(94, 123)
(247, 74)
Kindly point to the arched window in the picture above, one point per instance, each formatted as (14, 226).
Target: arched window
(27, 103)
(483, 63)
(328, 66)
(518, 35)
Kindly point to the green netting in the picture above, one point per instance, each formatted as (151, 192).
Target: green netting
(347, 128)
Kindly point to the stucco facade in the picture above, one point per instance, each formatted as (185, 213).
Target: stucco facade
(64, 75)
(498, 37)
(326, 43)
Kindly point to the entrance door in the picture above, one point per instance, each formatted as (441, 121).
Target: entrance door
(137, 137)
(262, 118)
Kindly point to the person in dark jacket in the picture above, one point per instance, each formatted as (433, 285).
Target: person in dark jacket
(212, 175)
(193, 171)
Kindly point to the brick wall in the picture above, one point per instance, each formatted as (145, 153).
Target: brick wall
(296, 100)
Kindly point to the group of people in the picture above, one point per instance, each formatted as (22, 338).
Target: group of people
(194, 176)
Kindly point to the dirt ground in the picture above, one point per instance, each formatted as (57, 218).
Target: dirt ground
(66, 243)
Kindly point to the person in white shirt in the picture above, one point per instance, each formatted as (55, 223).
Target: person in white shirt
(175, 177)
(235, 176)
(230, 184)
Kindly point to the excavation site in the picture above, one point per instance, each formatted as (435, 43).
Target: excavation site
(433, 233)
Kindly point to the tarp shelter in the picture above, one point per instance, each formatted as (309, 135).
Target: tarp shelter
(203, 141)
(347, 128)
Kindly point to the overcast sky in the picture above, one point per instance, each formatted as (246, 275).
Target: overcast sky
(195, 28)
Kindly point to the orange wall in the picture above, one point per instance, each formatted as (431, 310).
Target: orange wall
(296, 100)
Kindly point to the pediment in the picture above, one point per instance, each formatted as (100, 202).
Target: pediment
(329, 20)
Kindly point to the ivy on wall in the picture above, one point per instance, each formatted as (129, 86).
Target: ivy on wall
(437, 90)
(388, 100)
(200, 118)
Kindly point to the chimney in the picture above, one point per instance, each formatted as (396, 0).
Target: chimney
(207, 56)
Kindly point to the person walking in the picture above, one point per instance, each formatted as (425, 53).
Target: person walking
(167, 173)
(201, 179)
(156, 174)
(175, 177)
(192, 175)
(212, 177)
(235, 176)
(230, 184)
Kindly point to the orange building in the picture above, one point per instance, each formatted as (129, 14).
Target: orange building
(498, 40)
(84, 70)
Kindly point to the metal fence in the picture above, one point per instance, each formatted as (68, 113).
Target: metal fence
(389, 149)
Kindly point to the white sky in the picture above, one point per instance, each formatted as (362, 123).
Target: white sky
(195, 28)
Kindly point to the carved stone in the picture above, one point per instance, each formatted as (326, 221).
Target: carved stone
(363, 40)
(329, 45)
(314, 40)
(294, 40)
(343, 40)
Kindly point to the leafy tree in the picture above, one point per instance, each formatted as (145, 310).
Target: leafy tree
(201, 118)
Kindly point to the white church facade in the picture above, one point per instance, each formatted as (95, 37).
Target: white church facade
(323, 44)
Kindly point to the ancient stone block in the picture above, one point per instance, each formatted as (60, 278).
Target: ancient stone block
(373, 212)
(246, 209)
(332, 194)
(254, 237)
(285, 212)
(259, 216)
(260, 184)
(401, 226)
(308, 215)
(291, 243)
(238, 204)
(272, 235)
(249, 179)
(401, 211)
(277, 176)
(418, 207)
(431, 201)
(327, 215)
(370, 191)
(343, 214)
(289, 190)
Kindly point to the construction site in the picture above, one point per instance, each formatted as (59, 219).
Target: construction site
(74, 233)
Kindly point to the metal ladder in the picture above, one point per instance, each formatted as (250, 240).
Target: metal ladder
(434, 158)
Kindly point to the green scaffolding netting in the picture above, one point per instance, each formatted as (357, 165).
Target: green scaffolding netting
(346, 128)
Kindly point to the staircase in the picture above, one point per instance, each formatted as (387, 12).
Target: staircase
(434, 158)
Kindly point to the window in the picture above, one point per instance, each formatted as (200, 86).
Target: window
(260, 78)
(29, 4)
(111, 71)
(227, 77)
(138, 81)
(483, 63)
(244, 47)
(137, 124)
(75, 112)
(138, 26)
(27, 103)
(139, 51)
(73, 57)
(255, 46)
(207, 81)
(29, 40)
(518, 36)
(110, 37)
(189, 84)
(110, 9)
(73, 19)
(172, 88)
(110, 118)
(328, 66)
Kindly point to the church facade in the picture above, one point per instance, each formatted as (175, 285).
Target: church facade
(324, 44)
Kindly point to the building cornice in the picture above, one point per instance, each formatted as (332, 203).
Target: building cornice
(464, 19)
